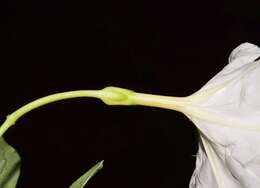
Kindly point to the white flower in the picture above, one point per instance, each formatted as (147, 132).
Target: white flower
(227, 113)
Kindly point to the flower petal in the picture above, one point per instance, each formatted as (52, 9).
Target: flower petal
(227, 113)
(244, 53)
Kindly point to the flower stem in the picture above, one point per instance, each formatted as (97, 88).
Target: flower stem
(12, 118)
(109, 95)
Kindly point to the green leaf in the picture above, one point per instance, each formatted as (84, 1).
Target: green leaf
(81, 182)
(9, 165)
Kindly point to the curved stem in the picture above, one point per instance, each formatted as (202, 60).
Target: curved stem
(109, 95)
(12, 118)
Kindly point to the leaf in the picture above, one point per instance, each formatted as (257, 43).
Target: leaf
(9, 165)
(81, 182)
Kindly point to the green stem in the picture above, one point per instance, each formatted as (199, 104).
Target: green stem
(12, 118)
(109, 95)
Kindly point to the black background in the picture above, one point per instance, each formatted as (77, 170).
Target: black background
(161, 47)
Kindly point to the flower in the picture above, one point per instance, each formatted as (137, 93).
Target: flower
(227, 113)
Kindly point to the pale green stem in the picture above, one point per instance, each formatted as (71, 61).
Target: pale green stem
(12, 118)
(109, 95)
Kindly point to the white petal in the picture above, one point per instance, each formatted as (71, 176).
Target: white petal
(244, 53)
(240, 59)
(227, 112)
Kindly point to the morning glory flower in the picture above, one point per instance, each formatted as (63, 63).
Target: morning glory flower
(226, 112)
